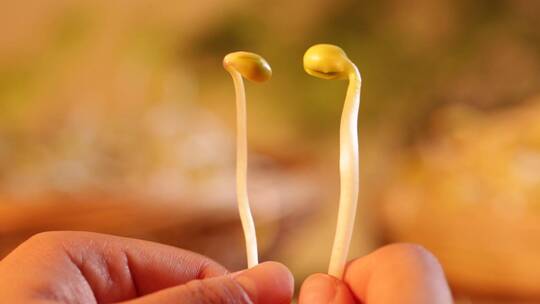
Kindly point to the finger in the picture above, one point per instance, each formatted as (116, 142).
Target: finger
(107, 267)
(325, 289)
(399, 273)
(267, 283)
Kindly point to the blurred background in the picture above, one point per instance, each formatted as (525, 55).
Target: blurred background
(117, 117)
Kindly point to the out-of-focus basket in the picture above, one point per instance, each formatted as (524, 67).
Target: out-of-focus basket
(168, 176)
(471, 194)
(195, 225)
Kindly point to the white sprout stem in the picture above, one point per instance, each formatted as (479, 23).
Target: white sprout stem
(349, 167)
(246, 218)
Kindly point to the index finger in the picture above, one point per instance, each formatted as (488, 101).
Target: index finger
(398, 273)
(114, 268)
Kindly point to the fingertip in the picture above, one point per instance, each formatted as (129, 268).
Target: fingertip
(269, 282)
(412, 259)
(398, 271)
(323, 288)
(317, 288)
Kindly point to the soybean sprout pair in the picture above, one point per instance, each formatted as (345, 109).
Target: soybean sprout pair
(323, 61)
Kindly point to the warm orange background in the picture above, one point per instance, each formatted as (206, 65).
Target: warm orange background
(117, 116)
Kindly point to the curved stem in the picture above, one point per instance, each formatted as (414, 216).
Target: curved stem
(246, 218)
(349, 167)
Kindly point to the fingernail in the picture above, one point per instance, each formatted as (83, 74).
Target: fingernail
(318, 289)
(268, 282)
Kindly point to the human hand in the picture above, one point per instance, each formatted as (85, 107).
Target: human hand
(82, 267)
(399, 273)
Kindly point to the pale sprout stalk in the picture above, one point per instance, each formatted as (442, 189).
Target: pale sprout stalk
(349, 165)
(330, 62)
(255, 68)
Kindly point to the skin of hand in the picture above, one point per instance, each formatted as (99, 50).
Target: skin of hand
(82, 267)
(398, 273)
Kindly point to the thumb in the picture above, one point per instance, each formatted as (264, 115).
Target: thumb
(266, 283)
(325, 289)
